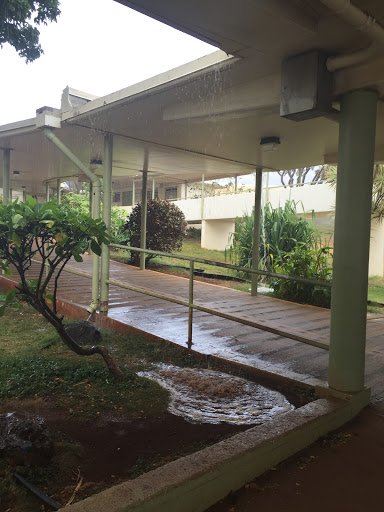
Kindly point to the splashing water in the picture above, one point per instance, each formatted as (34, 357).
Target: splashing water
(206, 396)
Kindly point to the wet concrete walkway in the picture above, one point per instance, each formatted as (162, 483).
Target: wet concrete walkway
(226, 338)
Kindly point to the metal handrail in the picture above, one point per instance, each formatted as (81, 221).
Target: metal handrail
(192, 306)
(325, 284)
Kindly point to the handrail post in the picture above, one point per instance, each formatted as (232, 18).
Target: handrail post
(190, 303)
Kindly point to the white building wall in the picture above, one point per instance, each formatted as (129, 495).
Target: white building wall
(376, 250)
(215, 234)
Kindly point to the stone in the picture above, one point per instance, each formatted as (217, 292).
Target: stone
(24, 438)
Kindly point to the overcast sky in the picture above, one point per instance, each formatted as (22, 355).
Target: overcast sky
(97, 46)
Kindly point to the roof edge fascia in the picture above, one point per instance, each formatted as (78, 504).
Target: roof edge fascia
(18, 127)
(163, 80)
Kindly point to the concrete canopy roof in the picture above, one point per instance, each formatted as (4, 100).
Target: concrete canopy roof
(208, 116)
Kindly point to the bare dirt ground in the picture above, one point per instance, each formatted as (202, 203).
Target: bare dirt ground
(342, 472)
(108, 450)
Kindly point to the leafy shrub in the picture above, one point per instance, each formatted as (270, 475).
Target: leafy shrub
(119, 217)
(281, 230)
(74, 201)
(166, 228)
(308, 262)
(80, 203)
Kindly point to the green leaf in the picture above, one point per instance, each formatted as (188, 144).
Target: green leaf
(77, 257)
(16, 220)
(16, 239)
(95, 247)
(49, 223)
(31, 201)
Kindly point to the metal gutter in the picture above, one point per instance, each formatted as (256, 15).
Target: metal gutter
(362, 22)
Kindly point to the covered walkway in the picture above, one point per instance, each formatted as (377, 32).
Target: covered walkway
(225, 338)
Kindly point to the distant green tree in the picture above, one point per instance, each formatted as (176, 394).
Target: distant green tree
(18, 20)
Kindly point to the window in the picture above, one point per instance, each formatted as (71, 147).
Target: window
(149, 194)
(171, 193)
(116, 197)
(127, 198)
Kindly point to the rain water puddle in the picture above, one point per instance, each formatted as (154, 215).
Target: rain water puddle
(207, 396)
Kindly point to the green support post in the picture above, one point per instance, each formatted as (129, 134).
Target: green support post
(133, 192)
(90, 198)
(153, 188)
(47, 192)
(202, 196)
(143, 236)
(256, 228)
(95, 209)
(6, 175)
(107, 205)
(351, 242)
(59, 191)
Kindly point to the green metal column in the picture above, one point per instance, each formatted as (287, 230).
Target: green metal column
(95, 209)
(47, 192)
(90, 198)
(107, 205)
(133, 192)
(143, 237)
(256, 228)
(6, 175)
(59, 191)
(153, 188)
(351, 243)
(202, 196)
(6, 178)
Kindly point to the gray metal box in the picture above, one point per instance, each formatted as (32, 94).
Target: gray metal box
(306, 86)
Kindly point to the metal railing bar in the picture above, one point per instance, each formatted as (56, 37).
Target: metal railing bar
(226, 265)
(214, 312)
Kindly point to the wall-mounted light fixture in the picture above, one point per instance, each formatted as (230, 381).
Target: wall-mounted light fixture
(270, 143)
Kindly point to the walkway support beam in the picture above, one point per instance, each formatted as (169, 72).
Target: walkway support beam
(47, 197)
(6, 175)
(202, 196)
(107, 205)
(96, 189)
(143, 232)
(352, 233)
(256, 228)
(58, 186)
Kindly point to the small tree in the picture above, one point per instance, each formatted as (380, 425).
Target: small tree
(166, 228)
(54, 235)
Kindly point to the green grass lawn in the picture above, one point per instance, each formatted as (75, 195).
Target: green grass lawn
(35, 363)
(190, 248)
(376, 289)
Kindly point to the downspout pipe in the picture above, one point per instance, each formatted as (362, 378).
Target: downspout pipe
(362, 22)
(96, 187)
